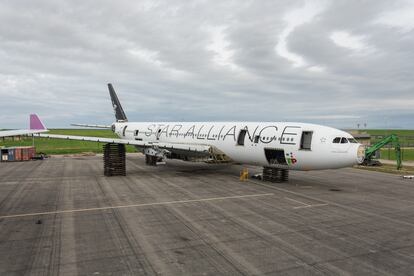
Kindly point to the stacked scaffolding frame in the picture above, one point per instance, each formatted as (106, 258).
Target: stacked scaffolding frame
(114, 160)
(271, 174)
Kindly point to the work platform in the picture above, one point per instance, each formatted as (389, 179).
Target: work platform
(63, 216)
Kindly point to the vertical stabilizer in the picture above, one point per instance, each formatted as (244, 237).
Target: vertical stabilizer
(119, 112)
(36, 123)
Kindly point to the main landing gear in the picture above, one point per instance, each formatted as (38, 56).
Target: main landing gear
(151, 160)
(155, 156)
(272, 174)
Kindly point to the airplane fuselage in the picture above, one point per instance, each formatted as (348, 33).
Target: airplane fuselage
(296, 146)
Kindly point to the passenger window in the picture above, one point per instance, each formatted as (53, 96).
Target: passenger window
(136, 132)
(344, 140)
(337, 140)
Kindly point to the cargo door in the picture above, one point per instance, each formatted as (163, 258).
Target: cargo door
(275, 156)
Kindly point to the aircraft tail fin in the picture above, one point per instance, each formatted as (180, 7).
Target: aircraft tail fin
(119, 112)
(36, 123)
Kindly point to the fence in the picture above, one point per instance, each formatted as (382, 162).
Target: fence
(387, 152)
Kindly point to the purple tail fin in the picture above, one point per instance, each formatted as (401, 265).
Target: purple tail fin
(35, 123)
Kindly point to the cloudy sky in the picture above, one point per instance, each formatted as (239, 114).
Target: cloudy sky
(337, 63)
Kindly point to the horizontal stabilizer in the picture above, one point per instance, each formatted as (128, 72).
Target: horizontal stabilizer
(91, 126)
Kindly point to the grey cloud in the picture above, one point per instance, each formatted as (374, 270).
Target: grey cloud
(57, 56)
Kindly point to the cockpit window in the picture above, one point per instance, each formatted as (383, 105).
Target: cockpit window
(337, 140)
(352, 140)
(344, 140)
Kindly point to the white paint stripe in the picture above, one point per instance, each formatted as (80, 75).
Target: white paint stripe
(332, 203)
(291, 192)
(297, 201)
(135, 205)
(310, 206)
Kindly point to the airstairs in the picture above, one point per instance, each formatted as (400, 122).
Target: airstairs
(217, 156)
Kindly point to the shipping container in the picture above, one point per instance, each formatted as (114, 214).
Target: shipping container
(32, 152)
(11, 154)
(25, 154)
(4, 156)
(18, 154)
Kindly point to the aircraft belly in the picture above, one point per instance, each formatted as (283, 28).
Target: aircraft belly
(245, 154)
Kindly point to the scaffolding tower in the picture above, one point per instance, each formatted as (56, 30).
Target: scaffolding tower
(114, 159)
(272, 174)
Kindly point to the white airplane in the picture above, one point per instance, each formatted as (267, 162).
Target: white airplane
(279, 145)
(36, 126)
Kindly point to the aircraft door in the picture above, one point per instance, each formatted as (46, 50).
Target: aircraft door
(158, 133)
(306, 140)
(124, 130)
(137, 134)
(242, 137)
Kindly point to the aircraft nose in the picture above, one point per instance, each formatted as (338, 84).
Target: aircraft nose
(360, 155)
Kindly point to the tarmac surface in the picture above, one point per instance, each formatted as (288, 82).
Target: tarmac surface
(63, 217)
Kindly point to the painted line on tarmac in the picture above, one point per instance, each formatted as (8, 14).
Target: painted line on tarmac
(332, 203)
(305, 205)
(311, 206)
(297, 201)
(136, 205)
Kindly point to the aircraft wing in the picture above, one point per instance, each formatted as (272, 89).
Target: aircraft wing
(36, 126)
(19, 132)
(177, 146)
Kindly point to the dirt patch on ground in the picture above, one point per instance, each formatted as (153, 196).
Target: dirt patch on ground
(388, 168)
